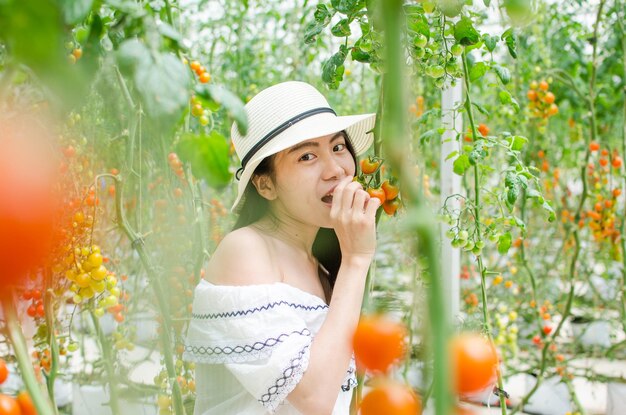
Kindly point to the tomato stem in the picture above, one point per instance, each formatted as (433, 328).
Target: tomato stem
(43, 405)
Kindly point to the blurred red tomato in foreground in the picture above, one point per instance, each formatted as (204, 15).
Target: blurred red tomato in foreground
(27, 201)
(379, 342)
(474, 361)
(391, 397)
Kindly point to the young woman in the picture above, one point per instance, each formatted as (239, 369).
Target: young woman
(274, 317)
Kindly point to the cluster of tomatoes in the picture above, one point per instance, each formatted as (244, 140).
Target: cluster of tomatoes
(176, 165)
(387, 192)
(602, 217)
(184, 378)
(36, 308)
(198, 111)
(417, 109)
(380, 344)
(483, 129)
(75, 53)
(216, 212)
(203, 76)
(546, 328)
(507, 329)
(541, 100)
(22, 404)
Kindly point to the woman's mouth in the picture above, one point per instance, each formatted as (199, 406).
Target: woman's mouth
(328, 199)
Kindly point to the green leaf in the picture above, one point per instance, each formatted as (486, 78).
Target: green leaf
(208, 156)
(518, 142)
(360, 56)
(461, 164)
(481, 109)
(490, 42)
(169, 32)
(477, 71)
(418, 23)
(341, 29)
(511, 195)
(506, 98)
(547, 206)
(464, 32)
(510, 39)
(504, 243)
(346, 6)
(232, 103)
(332, 69)
(314, 28)
(503, 73)
(449, 156)
(75, 11)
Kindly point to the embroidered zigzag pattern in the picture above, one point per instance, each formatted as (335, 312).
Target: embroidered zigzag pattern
(246, 348)
(286, 380)
(266, 307)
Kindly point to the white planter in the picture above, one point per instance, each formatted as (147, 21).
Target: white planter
(94, 400)
(594, 334)
(551, 398)
(615, 398)
(90, 400)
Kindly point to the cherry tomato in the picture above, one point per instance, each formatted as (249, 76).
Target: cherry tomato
(474, 363)
(26, 403)
(543, 85)
(369, 165)
(547, 330)
(379, 342)
(594, 146)
(195, 65)
(391, 206)
(205, 77)
(549, 98)
(532, 95)
(9, 406)
(4, 371)
(483, 130)
(617, 162)
(378, 193)
(391, 190)
(603, 162)
(28, 205)
(391, 397)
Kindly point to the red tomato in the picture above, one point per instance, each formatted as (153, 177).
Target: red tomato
(9, 406)
(377, 193)
(617, 162)
(474, 361)
(594, 146)
(26, 403)
(549, 98)
(391, 190)
(4, 371)
(379, 342)
(27, 202)
(391, 397)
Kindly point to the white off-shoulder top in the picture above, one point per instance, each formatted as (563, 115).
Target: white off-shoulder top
(251, 345)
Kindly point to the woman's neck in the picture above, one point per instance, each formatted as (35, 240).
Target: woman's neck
(291, 232)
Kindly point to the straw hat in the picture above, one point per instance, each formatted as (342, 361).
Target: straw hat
(286, 114)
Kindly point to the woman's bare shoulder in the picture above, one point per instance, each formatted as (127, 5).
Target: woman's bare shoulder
(242, 258)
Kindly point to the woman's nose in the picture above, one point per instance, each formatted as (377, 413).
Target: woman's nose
(334, 168)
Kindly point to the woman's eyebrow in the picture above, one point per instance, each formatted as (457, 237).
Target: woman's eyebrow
(312, 143)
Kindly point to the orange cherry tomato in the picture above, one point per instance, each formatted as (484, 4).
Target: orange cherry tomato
(391, 206)
(369, 165)
(378, 193)
(9, 406)
(4, 371)
(532, 95)
(379, 342)
(594, 146)
(391, 397)
(391, 190)
(26, 403)
(543, 85)
(549, 98)
(483, 129)
(617, 162)
(474, 361)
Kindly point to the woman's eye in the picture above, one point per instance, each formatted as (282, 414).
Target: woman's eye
(339, 147)
(307, 157)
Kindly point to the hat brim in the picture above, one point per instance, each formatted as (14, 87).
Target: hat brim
(359, 129)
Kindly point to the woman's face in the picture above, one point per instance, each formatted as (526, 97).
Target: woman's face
(307, 173)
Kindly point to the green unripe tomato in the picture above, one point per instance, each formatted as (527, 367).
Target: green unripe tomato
(419, 52)
(420, 40)
(456, 49)
(435, 71)
(428, 6)
(463, 235)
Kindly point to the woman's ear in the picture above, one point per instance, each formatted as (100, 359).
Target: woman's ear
(264, 186)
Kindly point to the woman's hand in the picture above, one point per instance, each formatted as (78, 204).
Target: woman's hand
(353, 213)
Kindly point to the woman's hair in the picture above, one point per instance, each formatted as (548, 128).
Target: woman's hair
(254, 206)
